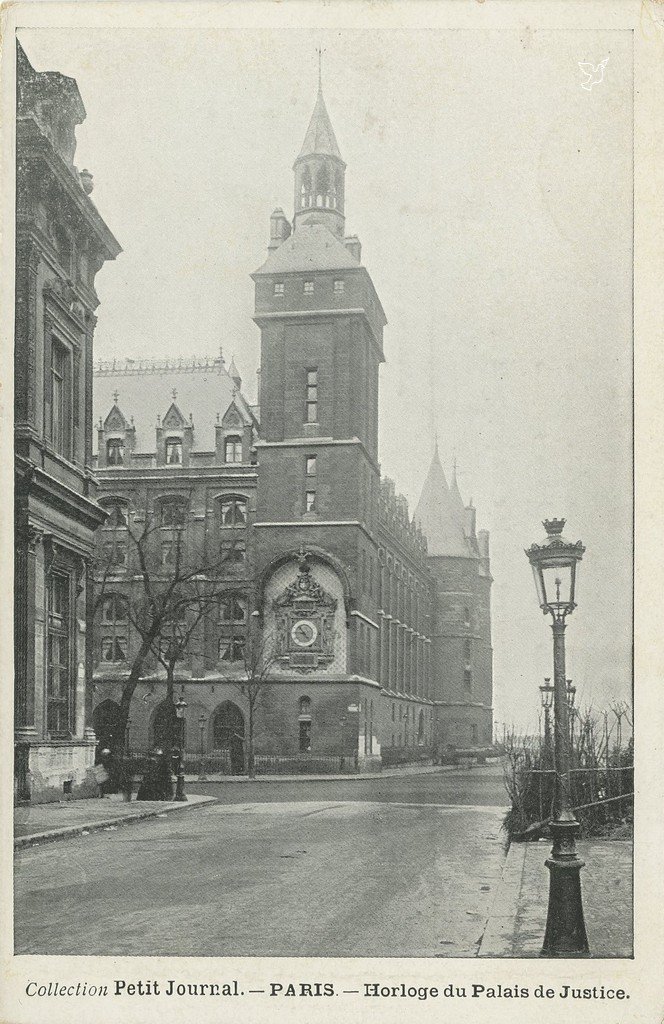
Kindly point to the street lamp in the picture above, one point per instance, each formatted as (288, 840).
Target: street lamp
(554, 563)
(571, 711)
(202, 777)
(180, 706)
(546, 692)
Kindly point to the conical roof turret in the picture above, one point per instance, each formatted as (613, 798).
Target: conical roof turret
(441, 514)
(320, 137)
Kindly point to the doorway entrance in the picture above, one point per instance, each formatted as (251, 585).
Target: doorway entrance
(228, 736)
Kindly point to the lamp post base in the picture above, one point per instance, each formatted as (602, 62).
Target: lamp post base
(565, 934)
(180, 795)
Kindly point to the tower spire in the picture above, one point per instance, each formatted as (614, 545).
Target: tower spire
(320, 170)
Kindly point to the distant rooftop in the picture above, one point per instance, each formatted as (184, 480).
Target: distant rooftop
(146, 388)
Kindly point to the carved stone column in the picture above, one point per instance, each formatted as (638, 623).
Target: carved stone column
(28, 539)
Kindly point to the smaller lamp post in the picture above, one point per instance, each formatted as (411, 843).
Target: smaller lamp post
(554, 563)
(202, 777)
(547, 703)
(180, 707)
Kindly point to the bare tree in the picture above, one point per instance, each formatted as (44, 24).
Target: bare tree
(171, 590)
(259, 659)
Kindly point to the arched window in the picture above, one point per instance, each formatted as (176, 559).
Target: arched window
(228, 735)
(420, 729)
(233, 449)
(305, 705)
(117, 512)
(233, 511)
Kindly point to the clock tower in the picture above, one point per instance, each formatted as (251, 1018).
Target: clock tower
(321, 325)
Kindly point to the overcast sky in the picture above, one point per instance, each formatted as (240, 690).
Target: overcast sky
(493, 198)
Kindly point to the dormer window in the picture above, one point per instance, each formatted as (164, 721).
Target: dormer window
(115, 451)
(173, 451)
(233, 449)
(308, 287)
(279, 288)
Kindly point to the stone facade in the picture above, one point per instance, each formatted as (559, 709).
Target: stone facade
(61, 243)
(377, 622)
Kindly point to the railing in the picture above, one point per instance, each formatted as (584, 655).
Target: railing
(600, 797)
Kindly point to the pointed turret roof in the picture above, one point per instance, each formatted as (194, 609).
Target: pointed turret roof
(320, 136)
(440, 515)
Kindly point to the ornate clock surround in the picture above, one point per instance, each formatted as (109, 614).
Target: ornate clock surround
(304, 615)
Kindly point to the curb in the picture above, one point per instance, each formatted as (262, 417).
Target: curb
(499, 934)
(39, 838)
(369, 777)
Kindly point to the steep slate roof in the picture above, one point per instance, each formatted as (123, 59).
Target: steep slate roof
(320, 136)
(145, 391)
(311, 247)
(441, 514)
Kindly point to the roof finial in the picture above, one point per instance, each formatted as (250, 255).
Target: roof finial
(174, 393)
(116, 395)
(319, 51)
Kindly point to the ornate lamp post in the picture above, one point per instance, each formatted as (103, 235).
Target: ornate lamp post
(202, 777)
(180, 707)
(554, 563)
(571, 711)
(547, 703)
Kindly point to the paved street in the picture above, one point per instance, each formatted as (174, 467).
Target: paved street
(396, 867)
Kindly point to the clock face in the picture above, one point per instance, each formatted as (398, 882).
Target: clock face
(304, 632)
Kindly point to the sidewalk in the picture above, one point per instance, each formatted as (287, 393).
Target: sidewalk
(42, 823)
(386, 773)
(518, 915)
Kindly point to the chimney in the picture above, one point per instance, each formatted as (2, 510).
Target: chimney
(354, 247)
(280, 228)
(483, 543)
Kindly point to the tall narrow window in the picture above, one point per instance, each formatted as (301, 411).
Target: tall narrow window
(312, 396)
(338, 286)
(466, 616)
(173, 451)
(305, 737)
(311, 465)
(59, 680)
(115, 451)
(467, 679)
(279, 288)
(233, 449)
(310, 501)
(60, 399)
(466, 651)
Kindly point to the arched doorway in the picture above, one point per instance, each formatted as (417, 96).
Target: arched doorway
(228, 735)
(106, 724)
(163, 728)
